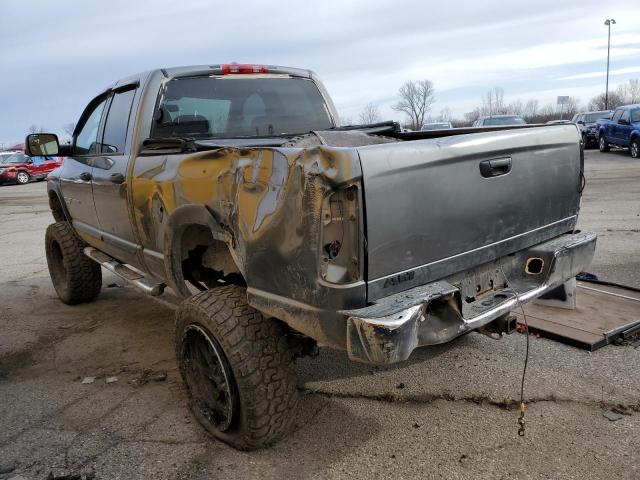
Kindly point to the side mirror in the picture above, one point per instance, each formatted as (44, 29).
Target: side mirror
(41, 145)
(65, 151)
(580, 122)
(622, 121)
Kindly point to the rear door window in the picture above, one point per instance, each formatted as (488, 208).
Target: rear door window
(115, 128)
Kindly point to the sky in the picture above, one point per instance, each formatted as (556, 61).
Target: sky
(56, 55)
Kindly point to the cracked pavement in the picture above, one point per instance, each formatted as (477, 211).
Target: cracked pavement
(448, 412)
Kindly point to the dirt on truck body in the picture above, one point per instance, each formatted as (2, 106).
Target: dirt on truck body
(233, 186)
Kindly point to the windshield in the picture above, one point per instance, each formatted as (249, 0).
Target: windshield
(248, 106)
(504, 121)
(436, 126)
(592, 117)
(15, 158)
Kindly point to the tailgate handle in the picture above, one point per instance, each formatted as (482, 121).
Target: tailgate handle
(495, 167)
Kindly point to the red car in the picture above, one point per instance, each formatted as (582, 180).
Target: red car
(20, 168)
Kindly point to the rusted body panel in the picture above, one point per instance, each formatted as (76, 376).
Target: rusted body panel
(269, 202)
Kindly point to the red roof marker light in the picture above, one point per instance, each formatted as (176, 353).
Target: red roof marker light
(242, 68)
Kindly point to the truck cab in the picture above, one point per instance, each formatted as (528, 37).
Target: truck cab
(623, 130)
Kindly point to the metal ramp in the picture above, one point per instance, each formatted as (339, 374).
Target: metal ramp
(603, 314)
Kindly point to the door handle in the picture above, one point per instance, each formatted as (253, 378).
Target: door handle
(495, 167)
(117, 178)
(85, 176)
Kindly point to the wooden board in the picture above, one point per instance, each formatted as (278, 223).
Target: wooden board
(600, 316)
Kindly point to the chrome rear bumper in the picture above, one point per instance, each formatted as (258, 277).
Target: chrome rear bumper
(389, 330)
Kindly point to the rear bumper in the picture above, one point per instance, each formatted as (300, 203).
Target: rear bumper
(389, 330)
(7, 177)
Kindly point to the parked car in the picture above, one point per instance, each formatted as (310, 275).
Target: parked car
(497, 120)
(587, 125)
(234, 186)
(20, 168)
(623, 130)
(436, 126)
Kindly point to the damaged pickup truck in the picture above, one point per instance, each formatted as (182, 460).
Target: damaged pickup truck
(233, 186)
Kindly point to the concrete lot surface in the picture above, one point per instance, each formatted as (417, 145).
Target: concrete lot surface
(446, 413)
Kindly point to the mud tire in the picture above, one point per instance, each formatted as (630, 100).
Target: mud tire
(75, 277)
(260, 381)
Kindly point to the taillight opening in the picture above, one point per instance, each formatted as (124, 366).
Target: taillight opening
(340, 253)
(242, 68)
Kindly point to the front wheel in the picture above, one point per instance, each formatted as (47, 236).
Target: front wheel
(75, 277)
(602, 144)
(635, 148)
(22, 177)
(237, 367)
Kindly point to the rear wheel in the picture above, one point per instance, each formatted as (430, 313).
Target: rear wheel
(75, 277)
(635, 148)
(602, 144)
(237, 367)
(585, 141)
(22, 177)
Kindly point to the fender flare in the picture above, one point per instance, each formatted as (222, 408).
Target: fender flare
(179, 220)
(53, 190)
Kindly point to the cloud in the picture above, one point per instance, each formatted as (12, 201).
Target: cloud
(612, 73)
(60, 54)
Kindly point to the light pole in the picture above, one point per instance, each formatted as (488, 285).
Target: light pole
(608, 22)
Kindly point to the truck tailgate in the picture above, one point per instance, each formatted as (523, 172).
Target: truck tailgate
(437, 207)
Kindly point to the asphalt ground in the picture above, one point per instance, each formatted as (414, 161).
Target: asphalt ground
(446, 413)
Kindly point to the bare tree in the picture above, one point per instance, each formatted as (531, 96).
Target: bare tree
(487, 103)
(416, 98)
(634, 90)
(36, 129)
(571, 107)
(547, 111)
(598, 102)
(445, 115)
(346, 121)
(531, 108)
(369, 114)
(630, 91)
(473, 115)
(69, 128)
(515, 108)
(493, 102)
